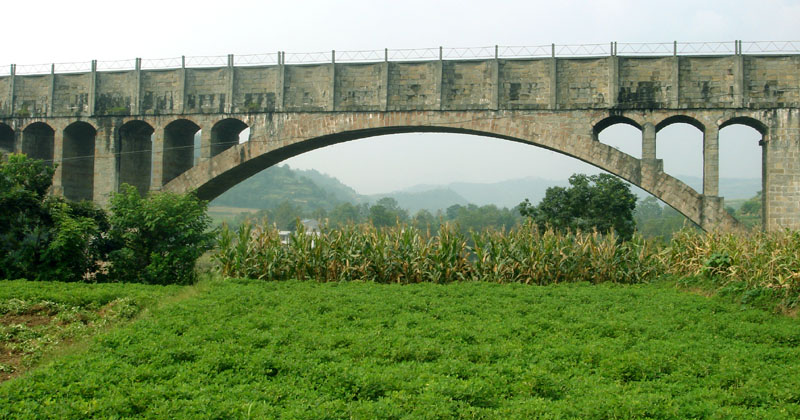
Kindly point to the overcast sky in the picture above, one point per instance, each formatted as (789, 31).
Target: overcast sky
(67, 31)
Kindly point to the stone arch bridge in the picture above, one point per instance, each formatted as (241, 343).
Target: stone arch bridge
(105, 128)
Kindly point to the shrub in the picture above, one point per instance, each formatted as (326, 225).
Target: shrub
(161, 236)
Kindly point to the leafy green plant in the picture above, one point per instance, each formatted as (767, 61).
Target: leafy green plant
(160, 236)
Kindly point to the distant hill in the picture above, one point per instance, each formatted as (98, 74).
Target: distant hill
(310, 190)
(431, 200)
(271, 187)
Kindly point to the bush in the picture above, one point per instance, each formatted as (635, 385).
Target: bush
(161, 236)
(42, 237)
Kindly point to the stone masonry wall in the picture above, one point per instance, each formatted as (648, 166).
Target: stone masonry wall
(5, 92)
(645, 83)
(706, 82)
(467, 85)
(206, 90)
(414, 86)
(255, 89)
(525, 84)
(72, 94)
(359, 87)
(583, 83)
(307, 88)
(161, 92)
(769, 84)
(32, 95)
(116, 93)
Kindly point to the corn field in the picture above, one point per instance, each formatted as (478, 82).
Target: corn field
(404, 254)
(525, 254)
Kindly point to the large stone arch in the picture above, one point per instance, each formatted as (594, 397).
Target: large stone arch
(77, 162)
(280, 137)
(7, 141)
(178, 148)
(38, 141)
(135, 151)
(225, 134)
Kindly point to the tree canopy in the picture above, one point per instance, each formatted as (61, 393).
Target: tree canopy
(602, 202)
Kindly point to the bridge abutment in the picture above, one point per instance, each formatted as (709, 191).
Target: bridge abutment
(782, 171)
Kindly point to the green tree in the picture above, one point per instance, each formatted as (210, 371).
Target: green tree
(162, 235)
(387, 212)
(44, 237)
(602, 202)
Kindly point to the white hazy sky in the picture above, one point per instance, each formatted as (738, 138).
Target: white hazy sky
(66, 31)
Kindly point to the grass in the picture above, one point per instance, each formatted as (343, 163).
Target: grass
(39, 318)
(255, 349)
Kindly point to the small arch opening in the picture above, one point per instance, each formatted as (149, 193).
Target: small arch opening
(741, 172)
(38, 142)
(225, 134)
(6, 139)
(135, 154)
(622, 136)
(680, 146)
(77, 165)
(680, 119)
(179, 148)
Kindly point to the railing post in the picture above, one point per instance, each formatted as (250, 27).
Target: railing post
(93, 88)
(281, 82)
(51, 106)
(441, 55)
(386, 54)
(229, 106)
(495, 95)
(553, 50)
(496, 52)
(13, 76)
(332, 103)
(138, 92)
(674, 48)
(182, 74)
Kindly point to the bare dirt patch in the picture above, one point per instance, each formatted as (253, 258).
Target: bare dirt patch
(28, 320)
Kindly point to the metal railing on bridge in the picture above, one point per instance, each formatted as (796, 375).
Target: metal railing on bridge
(420, 54)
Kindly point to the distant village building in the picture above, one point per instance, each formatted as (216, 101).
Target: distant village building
(310, 226)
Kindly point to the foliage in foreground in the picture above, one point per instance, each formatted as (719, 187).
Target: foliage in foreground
(303, 350)
(38, 317)
(755, 262)
(155, 239)
(161, 236)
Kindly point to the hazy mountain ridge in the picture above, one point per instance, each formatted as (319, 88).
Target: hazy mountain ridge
(310, 190)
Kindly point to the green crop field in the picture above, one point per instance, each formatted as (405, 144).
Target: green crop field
(255, 349)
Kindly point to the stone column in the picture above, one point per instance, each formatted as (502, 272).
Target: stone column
(739, 92)
(157, 168)
(106, 164)
(383, 95)
(711, 161)
(613, 80)
(650, 166)
(58, 156)
(648, 141)
(205, 144)
(553, 82)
